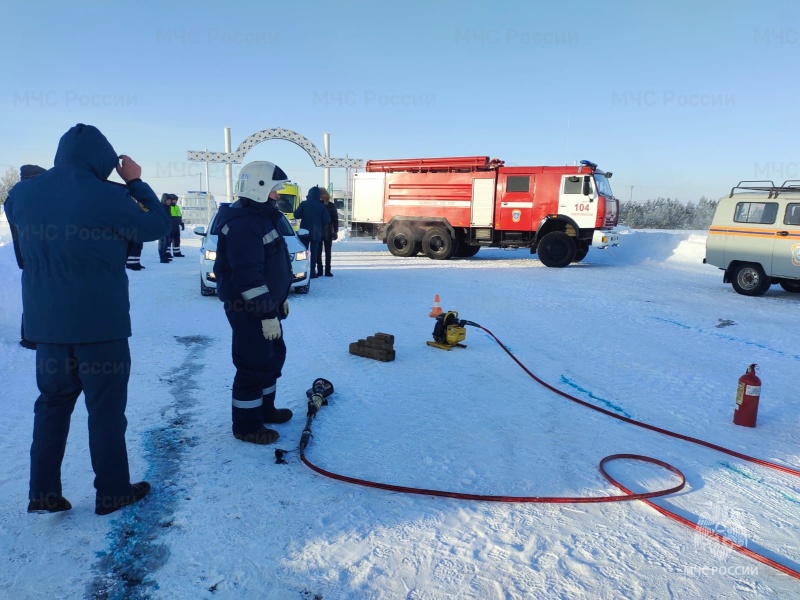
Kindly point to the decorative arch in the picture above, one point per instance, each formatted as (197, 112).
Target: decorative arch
(276, 133)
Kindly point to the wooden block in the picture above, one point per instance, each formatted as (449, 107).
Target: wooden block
(374, 342)
(382, 354)
(385, 336)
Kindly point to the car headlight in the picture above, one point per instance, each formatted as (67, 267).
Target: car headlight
(300, 255)
(210, 255)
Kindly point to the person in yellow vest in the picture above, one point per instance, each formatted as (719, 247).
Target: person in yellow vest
(177, 225)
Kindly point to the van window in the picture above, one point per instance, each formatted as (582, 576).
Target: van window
(756, 212)
(792, 216)
(518, 183)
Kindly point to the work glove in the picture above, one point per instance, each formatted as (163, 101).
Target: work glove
(271, 328)
(285, 309)
(183, 227)
(336, 235)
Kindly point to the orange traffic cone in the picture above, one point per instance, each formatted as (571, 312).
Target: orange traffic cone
(437, 307)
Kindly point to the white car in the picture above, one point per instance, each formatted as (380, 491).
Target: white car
(301, 282)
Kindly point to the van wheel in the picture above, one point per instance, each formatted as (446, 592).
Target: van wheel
(749, 279)
(205, 290)
(438, 244)
(401, 241)
(556, 249)
(791, 286)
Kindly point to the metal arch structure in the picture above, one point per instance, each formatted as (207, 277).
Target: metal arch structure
(276, 133)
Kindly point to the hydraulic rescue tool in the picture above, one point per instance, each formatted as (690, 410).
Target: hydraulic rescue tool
(317, 396)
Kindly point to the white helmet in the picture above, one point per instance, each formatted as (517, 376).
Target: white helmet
(258, 178)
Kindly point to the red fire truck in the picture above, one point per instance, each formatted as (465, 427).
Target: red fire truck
(451, 207)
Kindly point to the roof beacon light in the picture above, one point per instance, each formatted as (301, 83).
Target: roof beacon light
(589, 163)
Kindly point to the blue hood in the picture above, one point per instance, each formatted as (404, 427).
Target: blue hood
(86, 149)
(313, 194)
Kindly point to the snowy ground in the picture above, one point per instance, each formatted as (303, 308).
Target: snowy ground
(644, 330)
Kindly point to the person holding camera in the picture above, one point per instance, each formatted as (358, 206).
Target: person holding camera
(74, 227)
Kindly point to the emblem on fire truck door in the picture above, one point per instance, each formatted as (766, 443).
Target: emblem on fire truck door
(516, 215)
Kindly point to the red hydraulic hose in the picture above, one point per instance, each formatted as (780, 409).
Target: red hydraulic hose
(628, 494)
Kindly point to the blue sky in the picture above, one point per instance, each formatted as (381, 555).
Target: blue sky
(678, 99)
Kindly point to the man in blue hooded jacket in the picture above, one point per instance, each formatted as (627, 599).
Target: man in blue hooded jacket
(74, 227)
(314, 217)
(254, 274)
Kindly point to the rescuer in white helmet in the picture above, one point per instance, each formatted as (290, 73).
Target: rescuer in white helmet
(254, 275)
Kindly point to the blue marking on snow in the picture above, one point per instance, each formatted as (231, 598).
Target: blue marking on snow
(123, 572)
(728, 338)
(606, 403)
(747, 475)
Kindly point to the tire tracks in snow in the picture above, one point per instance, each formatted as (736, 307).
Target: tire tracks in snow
(135, 546)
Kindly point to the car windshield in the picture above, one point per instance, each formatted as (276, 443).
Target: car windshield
(284, 227)
(286, 202)
(602, 185)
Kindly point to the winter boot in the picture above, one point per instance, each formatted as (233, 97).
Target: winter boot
(328, 274)
(106, 506)
(134, 267)
(177, 255)
(262, 437)
(49, 504)
(277, 416)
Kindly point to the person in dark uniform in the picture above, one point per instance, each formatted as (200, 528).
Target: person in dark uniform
(177, 225)
(25, 172)
(164, 243)
(74, 227)
(329, 233)
(313, 217)
(254, 274)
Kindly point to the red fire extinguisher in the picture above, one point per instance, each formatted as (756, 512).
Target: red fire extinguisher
(747, 398)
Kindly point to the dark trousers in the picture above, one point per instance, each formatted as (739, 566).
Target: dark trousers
(326, 245)
(175, 238)
(163, 247)
(258, 363)
(313, 248)
(101, 372)
(135, 253)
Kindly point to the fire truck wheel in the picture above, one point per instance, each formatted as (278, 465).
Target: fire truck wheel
(749, 279)
(438, 244)
(581, 254)
(466, 251)
(401, 241)
(556, 249)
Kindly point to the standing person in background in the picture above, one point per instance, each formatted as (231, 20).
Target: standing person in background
(164, 243)
(74, 227)
(254, 274)
(177, 227)
(329, 233)
(25, 172)
(313, 217)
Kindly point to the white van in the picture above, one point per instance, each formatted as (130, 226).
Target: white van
(755, 237)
